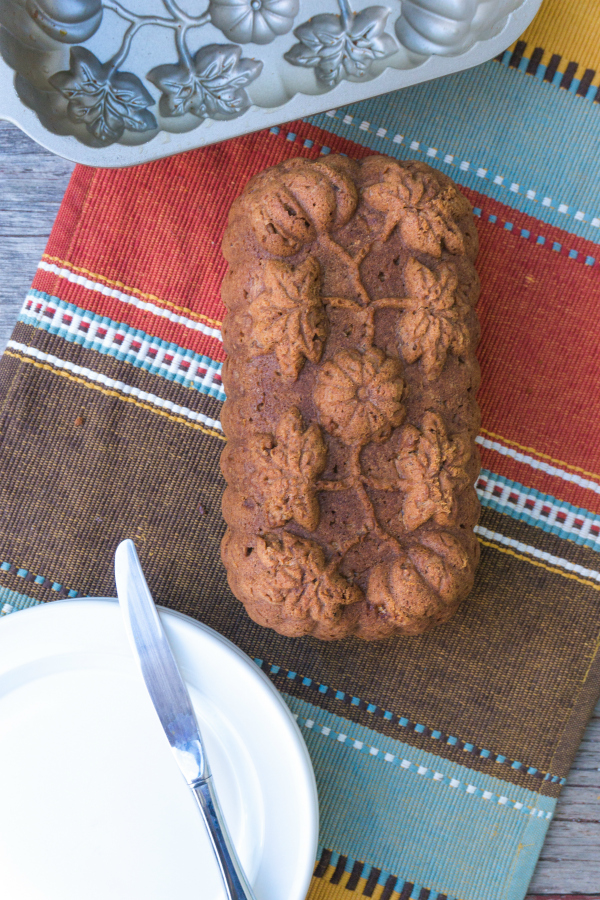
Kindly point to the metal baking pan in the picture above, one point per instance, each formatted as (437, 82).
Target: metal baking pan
(120, 82)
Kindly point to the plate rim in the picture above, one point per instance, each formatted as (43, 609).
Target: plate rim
(306, 771)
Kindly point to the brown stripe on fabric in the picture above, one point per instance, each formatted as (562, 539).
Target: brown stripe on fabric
(118, 370)
(568, 75)
(372, 882)
(68, 510)
(388, 888)
(572, 733)
(354, 876)
(585, 82)
(339, 870)
(362, 886)
(517, 54)
(440, 747)
(535, 60)
(91, 381)
(478, 677)
(542, 540)
(323, 864)
(43, 592)
(552, 67)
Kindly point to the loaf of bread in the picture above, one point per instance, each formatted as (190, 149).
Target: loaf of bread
(350, 415)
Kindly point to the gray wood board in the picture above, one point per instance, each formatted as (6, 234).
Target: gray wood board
(32, 183)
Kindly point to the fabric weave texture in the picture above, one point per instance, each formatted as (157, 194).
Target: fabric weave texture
(439, 758)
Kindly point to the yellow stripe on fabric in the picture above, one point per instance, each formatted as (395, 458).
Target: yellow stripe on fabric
(534, 452)
(111, 393)
(569, 28)
(130, 290)
(540, 565)
(322, 889)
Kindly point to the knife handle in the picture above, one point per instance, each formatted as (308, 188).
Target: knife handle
(237, 885)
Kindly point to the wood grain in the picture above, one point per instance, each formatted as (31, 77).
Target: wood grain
(32, 182)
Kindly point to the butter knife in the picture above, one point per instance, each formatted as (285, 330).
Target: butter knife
(174, 709)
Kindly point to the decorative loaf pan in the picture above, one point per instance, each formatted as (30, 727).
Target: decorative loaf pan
(120, 82)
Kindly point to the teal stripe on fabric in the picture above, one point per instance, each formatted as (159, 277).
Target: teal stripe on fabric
(204, 382)
(11, 601)
(403, 722)
(492, 121)
(579, 525)
(423, 818)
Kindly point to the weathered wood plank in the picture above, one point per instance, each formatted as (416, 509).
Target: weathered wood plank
(19, 257)
(570, 859)
(570, 862)
(581, 804)
(32, 183)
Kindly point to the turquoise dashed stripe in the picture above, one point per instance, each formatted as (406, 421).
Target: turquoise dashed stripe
(495, 132)
(435, 823)
(37, 579)
(403, 762)
(11, 601)
(404, 722)
(525, 233)
(523, 515)
(212, 366)
(539, 239)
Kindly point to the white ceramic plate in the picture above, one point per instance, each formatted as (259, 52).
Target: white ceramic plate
(92, 804)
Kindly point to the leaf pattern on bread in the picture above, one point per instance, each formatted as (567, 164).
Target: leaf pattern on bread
(433, 322)
(350, 398)
(295, 576)
(432, 470)
(287, 465)
(289, 317)
(425, 213)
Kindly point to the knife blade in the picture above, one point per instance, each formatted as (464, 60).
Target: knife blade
(174, 709)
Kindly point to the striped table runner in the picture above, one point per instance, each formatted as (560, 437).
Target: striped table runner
(439, 758)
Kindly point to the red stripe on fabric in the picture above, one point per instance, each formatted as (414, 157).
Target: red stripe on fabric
(131, 235)
(521, 221)
(557, 488)
(538, 354)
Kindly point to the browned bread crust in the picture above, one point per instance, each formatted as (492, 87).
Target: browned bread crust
(350, 415)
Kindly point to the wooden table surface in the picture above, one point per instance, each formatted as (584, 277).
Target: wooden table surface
(32, 182)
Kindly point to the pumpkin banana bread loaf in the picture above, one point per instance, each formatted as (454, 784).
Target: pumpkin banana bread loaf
(350, 415)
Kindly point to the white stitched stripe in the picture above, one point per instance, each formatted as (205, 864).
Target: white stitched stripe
(55, 315)
(110, 383)
(538, 464)
(538, 554)
(498, 179)
(522, 503)
(130, 300)
(416, 769)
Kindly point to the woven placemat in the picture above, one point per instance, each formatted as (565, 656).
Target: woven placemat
(439, 758)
